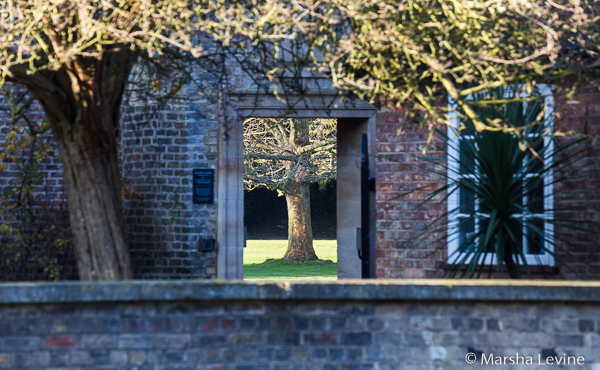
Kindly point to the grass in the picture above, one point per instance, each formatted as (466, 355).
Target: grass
(263, 261)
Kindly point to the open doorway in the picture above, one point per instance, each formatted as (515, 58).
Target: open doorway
(353, 120)
(290, 175)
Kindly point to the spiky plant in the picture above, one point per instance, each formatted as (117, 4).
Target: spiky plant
(501, 214)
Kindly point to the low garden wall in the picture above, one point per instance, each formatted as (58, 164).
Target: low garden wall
(379, 324)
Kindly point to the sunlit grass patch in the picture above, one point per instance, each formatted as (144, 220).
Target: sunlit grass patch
(263, 260)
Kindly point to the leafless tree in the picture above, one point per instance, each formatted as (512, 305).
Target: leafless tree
(287, 155)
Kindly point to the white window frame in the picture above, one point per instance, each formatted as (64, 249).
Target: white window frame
(453, 201)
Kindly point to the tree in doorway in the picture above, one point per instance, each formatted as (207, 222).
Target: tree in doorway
(287, 155)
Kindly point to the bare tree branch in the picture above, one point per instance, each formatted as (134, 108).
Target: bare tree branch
(276, 154)
(316, 145)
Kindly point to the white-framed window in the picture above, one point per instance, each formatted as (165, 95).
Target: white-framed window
(465, 220)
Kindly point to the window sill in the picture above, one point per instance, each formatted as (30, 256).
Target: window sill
(534, 269)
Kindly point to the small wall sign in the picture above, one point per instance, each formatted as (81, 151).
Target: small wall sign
(203, 185)
(206, 245)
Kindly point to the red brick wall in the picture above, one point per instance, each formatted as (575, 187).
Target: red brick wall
(583, 190)
(402, 253)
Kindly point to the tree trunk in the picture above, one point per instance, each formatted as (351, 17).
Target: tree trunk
(300, 239)
(82, 102)
(91, 175)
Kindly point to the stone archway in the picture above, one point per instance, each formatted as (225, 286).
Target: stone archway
(355, 117)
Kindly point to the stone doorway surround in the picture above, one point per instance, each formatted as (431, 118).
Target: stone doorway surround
(354, 118)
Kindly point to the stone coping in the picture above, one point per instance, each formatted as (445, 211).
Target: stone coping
(219, 290)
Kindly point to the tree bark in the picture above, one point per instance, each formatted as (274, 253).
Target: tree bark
(82, 102)
(300, 238)
(92, 179)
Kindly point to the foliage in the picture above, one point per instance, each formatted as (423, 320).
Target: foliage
(503, 206)
(54, 34)
(407, 52)
(412, 53)
(34, 226)
(262, 260)
(277, 152)
(57, 34)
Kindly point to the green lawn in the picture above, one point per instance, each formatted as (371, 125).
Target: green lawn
(263, 260)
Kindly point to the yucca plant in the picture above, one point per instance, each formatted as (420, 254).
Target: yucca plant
(501, 215)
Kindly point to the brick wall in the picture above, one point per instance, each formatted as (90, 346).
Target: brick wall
(581, 193)
(51, 193)
(162, 145)
(402, 252)
(317, 332)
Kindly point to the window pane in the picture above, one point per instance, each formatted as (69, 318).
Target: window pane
(467, 197)
(516, 241)
(483, 228)
(534, 161)
(535, 195)
(535, 238)
(466, 231)
(469, 129)
(535, 108)
(536, 129)
(467, 164)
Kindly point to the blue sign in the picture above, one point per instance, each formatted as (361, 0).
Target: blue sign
(204, 183)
